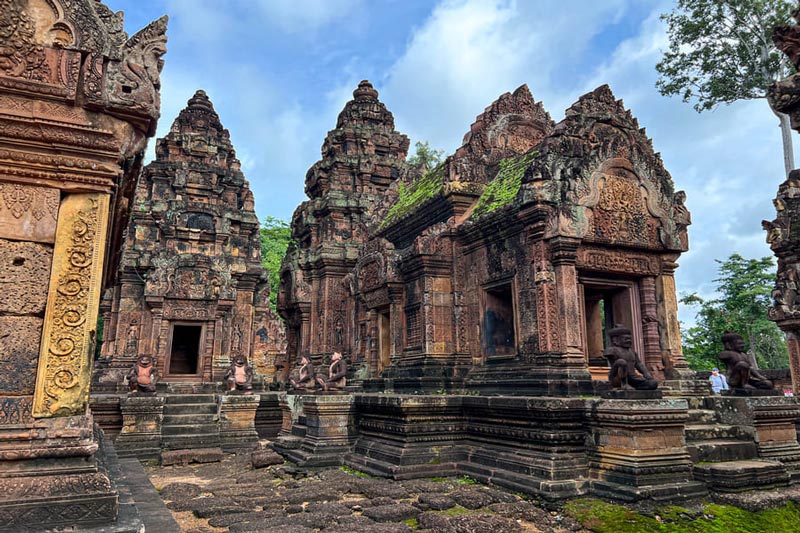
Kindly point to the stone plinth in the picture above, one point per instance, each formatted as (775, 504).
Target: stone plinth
(269, 418)
(773, 420)
(638, 451)
(530, 445)
(142, 418)
(330, 430)
(408, 436)
(51, 474)
(740, 476)
(237, 417)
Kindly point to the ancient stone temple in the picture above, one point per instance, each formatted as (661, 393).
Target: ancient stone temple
(191, 291)
(505, 266)
(78, 100)
(784, 232)
(505, 277)
(348, 190)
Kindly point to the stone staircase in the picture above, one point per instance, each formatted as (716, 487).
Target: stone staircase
(190, 421)
(725, 456)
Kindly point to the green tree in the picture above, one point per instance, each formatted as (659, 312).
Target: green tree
(275, 238)
(721, 51)
(425, 158)
(744, 287)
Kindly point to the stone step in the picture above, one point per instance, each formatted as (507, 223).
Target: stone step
(190, 409)
(192, 429)
(737, 476)
(186, 442)
(190, 398)
(182, 420)
(721, 450)
(702, 416)
(704, 432)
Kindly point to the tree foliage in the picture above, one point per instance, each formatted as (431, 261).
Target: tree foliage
(744, 287)
(721, 51)
(275, 238)
(425, 158)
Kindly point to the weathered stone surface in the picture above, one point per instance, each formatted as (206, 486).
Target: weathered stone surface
(28, 213)
(194, 455)
(19, 344)
(24, 270)
(179, 491)
(435, 502)
(391, 513)
(264, 458)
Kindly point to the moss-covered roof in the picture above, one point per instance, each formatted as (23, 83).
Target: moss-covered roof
(502, 190)
(420, 191)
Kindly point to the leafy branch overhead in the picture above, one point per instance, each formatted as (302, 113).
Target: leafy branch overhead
(722, 51)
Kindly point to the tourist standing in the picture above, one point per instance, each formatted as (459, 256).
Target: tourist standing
(718, 381)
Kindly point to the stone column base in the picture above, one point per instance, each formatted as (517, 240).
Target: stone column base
(638, 451)
(237, 416)
(54, 477)
(330, 430)
(140, 435)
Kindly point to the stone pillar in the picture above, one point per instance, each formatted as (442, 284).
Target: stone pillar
(330, 430)
(793, 344)
(237, 416)
(677, 367)
(142, 418)
(652, 346)
(570, 317)
(637, 450)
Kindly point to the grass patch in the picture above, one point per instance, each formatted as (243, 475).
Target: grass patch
(353, 471)
(437, 479)
(466, 480)
(413, 523)
(458, 510)
(604, 517)
(503, 189)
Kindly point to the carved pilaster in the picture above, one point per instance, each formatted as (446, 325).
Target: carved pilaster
(570, 318)
(671, 334)
(652, 346)
(65, 361)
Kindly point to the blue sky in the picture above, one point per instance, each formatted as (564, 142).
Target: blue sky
(279, 72)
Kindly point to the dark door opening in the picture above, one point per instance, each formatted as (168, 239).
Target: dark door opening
(498, 336)
(185, 349)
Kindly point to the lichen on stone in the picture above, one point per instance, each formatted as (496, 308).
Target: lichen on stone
(417, 193)
(503, 189)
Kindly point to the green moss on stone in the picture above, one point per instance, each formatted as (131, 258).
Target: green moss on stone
(503, 189)
(413, 523)
(604, 517)
(420, 191)
(353, 471)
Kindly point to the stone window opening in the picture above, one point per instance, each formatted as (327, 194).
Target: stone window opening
(607, 303)
(413, 328)
(185, 348)
(498, 328)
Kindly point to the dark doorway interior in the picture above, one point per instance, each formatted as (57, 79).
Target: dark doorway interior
(498, 322)
(384, 344)
(185, 349)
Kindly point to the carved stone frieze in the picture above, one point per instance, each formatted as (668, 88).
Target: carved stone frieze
(68, 339)
(28, 212)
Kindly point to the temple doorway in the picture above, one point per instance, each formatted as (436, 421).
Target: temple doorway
(605, 304)
(497, 326)
(184, 355)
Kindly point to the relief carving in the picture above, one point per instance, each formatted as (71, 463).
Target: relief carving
(62, 385)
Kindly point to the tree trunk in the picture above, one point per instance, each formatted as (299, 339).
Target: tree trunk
(786, 136)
